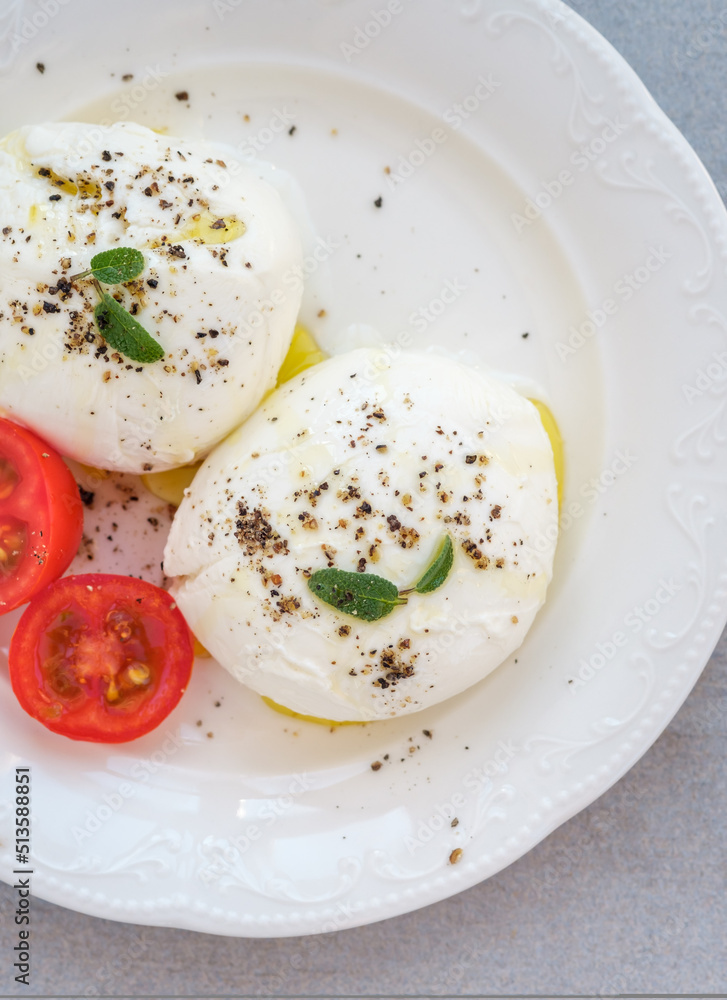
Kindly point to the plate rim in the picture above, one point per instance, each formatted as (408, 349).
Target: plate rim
(232, 923)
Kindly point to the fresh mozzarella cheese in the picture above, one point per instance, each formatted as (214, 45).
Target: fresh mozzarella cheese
(365, 465)
(220, 291)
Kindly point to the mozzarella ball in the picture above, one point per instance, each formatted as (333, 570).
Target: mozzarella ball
(366, 463)
(220, 291)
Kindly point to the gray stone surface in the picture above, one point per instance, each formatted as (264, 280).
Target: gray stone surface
(629, 896)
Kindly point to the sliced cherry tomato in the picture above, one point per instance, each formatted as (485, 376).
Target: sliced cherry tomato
(100, 657)
(41, 515)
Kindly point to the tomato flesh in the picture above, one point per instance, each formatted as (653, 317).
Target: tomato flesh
(13, 545)
(41, 515)
(9, 478)
(100, 657)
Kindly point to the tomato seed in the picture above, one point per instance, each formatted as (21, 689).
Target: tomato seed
(121, 625)
(112, 692)
(138, 673)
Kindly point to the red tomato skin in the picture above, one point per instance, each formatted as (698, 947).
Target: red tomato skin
(93, 719)
(48, 500)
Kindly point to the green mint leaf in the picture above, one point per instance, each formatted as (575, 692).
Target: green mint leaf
(123, 333)
(113, 267)
(363, 595)
(438, 569)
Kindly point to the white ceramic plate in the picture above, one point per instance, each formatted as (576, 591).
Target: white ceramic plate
(531, 171)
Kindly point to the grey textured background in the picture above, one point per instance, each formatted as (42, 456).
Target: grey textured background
(629, 896)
